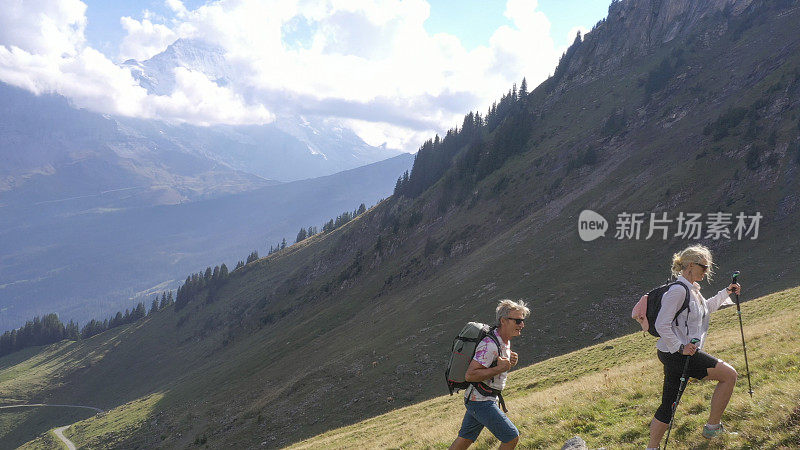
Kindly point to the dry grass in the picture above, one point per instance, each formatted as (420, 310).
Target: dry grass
(612, 400)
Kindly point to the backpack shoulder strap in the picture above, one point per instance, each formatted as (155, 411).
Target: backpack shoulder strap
(685, 305)
(492, 336)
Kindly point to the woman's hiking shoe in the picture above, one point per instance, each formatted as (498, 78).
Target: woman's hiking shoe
(710, 433)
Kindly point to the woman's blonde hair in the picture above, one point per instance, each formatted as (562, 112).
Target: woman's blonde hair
(694, 254)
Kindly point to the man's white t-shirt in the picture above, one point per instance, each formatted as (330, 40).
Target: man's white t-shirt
(486, 354)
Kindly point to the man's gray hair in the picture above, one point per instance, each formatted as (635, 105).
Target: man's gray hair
(506, 306)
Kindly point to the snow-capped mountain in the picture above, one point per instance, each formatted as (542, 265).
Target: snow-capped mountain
(293, 147)
(157, 74)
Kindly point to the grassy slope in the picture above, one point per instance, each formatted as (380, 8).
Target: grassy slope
(19, 426)
(291, 349)
(608, 392)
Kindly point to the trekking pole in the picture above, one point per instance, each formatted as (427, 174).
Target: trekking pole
(741, 328)
(680, 393)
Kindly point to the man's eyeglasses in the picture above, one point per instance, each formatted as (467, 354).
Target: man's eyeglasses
(518, 321)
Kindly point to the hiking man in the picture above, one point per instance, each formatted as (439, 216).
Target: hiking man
(675, 345)
(487, 374)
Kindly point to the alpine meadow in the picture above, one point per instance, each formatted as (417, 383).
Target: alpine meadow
(667, 113)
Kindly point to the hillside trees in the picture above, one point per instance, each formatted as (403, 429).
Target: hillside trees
(252, 257)
(166, 300)
(39, 331)
(212, 279)
(95, 327)
(139, 313)
(489, 141)
(49, 329)
(304, 234)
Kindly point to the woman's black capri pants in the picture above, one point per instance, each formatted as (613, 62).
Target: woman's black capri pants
(699, 363)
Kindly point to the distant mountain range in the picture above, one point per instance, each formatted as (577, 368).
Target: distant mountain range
(92, 263)
(80, 192)
(53, 152)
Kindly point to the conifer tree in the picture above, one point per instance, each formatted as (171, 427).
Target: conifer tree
(252, 257)
(72, 331)
(117, 320)
(138, 313)
(89, 330)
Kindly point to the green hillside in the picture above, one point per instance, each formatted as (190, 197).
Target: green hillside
(607, 394)
(355, 323)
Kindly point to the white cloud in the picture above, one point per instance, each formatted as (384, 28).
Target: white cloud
(526, 48)
(198, 100)
(392, 136)
(368, 62)
(42, 49)
(92, 81)
(177, 7)
(144, 39)
(43, 27)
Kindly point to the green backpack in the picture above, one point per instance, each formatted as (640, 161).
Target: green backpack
(461, 354)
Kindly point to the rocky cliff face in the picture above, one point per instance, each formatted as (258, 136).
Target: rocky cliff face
(636, 28)
(645, 24)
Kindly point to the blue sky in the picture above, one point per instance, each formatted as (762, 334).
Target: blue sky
(472, 21)
(393, 71)
(103, 29)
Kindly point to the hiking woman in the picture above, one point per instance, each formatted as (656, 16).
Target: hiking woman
(689, 267)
